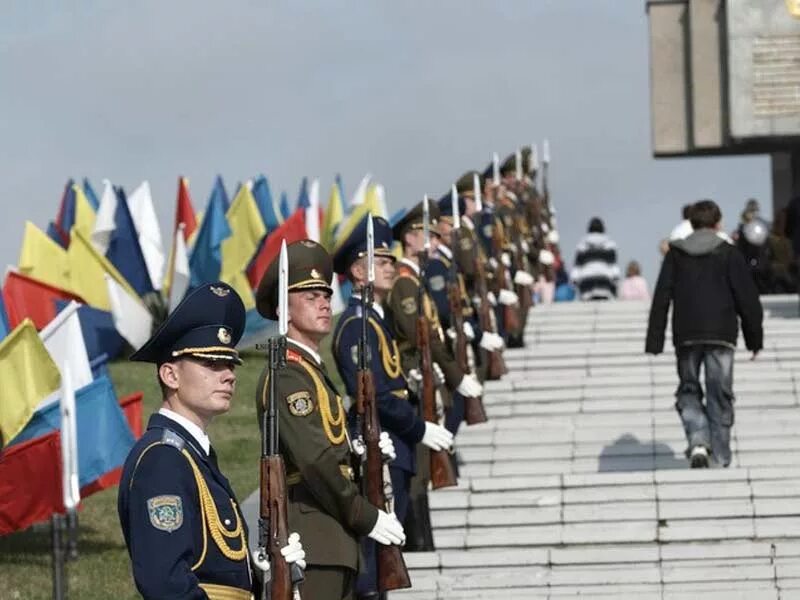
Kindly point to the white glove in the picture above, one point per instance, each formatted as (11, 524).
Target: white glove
(493, 263)
(470, 387)
(358, 446)
(553, 237)
(523, 278)
(387, 530)
(451, 333)
(544, 227)
(386, 445)
(506, 260)
(525, 246)
(546, 257)
(292, 552)
(508, 298)
(438, 374)
(469, 331)
(491, 298)
(414, 381)
(491, 341)
(437, 437)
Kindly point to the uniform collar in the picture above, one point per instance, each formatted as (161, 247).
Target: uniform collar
(312, 353)
(448, 254)
(375, 306)
(198, 434)
(410, 263)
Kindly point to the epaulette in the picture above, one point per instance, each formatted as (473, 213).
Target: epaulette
(173, 439)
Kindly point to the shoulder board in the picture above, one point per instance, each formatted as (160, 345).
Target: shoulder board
(406, 271)
(170, 438)
(293, 355)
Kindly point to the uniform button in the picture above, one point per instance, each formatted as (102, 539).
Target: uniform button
(227, 521)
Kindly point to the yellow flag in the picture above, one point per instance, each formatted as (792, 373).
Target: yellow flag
(241, 284)
(247, 230)
(87, 268)
(333, 216)
(84, 215)
(43, 259)
(28, 374)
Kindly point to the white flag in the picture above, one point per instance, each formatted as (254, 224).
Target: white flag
(180, 269)
(104, 224)
(144, 217)
(380, 194)
(70, 487)
(360, 195)
(337, 303)
(131, 319)
(312, 213)
(63, 339)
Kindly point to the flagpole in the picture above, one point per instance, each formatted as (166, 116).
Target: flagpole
(59, 579)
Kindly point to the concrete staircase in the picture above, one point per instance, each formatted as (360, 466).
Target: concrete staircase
(578, 485)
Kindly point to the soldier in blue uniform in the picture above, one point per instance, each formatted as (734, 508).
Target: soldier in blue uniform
(396, 413)
(182, 524)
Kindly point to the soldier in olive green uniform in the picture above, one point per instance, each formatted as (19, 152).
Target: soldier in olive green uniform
(402, 313)
(325, 504)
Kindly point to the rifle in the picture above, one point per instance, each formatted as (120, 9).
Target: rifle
(442, 472)
(273, 529)
(495, 365)
(392, 573)
(473, 407)
(511, 318)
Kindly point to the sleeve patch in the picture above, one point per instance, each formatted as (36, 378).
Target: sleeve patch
(437, 283)
(409, 305)
(166, 512)
(300, 403)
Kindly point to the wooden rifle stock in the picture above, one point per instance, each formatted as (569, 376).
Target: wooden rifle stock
(442, 471)
(274, 512)
(392, 573)
(474, 412)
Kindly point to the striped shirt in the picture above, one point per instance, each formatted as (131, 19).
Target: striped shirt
(596, 272)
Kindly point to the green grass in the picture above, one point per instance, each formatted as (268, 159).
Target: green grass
(102, 571)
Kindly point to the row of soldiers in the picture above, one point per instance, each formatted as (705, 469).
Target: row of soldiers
(428, 327)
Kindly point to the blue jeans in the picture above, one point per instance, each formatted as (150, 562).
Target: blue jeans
(706, 424)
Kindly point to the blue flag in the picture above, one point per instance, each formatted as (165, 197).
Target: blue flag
(270, 214)
(53, 234)
(3, 319)
(340, 185)
(205, 262)
(303, 201)
(395, 218)
(66, 214)
(104, 438)
(99, 332)
(88, 190)
(219, 190)
(285, 211)
(124, 250)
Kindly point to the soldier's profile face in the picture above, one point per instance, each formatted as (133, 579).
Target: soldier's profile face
(384, 273)
(204, 387)
(310, 312)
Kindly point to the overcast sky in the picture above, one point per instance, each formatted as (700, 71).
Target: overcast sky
(415, 92)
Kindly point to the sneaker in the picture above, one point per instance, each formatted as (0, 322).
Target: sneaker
(699, 457)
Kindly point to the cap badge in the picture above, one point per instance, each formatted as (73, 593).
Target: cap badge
(315, 274)
(219, 291)
(308, 243)
(223, 336)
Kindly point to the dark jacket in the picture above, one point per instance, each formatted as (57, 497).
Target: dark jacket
(709, 283)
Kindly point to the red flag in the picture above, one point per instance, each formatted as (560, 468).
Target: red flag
(292, 229)
(184, 212)
(30, 482)
(132, 407)
(28, 297)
